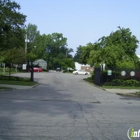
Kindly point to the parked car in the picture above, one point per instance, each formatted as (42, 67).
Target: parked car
(64, 71)
(81, 72)
(36, 69)
(58, 69)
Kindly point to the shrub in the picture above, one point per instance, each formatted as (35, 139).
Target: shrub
(26, 79)
(131, 82)
(89, 79)
(12, 78)
(122, 82)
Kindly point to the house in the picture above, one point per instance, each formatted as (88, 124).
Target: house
(41, 63)
(83, 67)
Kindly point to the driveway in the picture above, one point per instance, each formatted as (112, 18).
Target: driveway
(64, 107)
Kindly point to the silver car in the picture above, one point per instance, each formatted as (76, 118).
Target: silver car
(81, 72)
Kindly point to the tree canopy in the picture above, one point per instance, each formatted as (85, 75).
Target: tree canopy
(14, 55)
(11, 25)
(116, 50)
(56, 51)
(52, 47)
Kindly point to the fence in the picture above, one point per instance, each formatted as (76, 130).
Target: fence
(102, 76)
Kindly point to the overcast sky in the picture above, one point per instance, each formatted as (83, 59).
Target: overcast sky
(82, 21)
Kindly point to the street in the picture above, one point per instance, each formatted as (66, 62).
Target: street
(65, 107)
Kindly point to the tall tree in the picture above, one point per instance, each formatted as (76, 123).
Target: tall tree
(11, 24)
(56, 49)
(32, 32)
(123, 37)
(119, 46)
(68, 52)
(78, 55)
(83, 52)
(31, 35)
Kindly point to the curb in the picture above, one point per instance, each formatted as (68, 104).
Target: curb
(128, 94)
(16, 88)
(7, 89)
(35, 85)
(121, 94)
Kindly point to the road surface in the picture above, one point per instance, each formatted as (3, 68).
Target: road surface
(65, 107)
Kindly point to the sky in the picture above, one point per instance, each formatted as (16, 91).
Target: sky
(82, 21)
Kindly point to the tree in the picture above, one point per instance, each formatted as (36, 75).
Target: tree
(52, 47)
(119, 46)
(67, 63)
(86, 52)
(95, 58)
(32, 56)
(11, 25)
(56, 50)
(83, 52)
(123, 37)
(13, 56)
(78, 55)
(68, 52)
(40, 43)
(32, 34)
(56, 44)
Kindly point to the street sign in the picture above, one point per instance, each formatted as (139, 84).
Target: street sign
(109, 72)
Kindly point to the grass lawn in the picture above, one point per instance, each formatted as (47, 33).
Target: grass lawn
(6, 73)
(15, 82)
(120, 87)
(22, 83)
(89, 79)
(1, 88)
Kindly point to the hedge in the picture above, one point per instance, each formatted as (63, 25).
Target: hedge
(122, 82)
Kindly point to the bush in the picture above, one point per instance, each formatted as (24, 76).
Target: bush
(9, 69)
(12, 78)
(132, 83)
(89, 79)
(92, 75)
(4, 78)
(26, 79)
(122, 82)
(1, 69)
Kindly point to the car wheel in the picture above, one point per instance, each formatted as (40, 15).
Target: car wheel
(76, 73)
(86, 73)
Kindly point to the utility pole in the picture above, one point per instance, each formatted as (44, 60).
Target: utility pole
(26, 40)
(66, 53)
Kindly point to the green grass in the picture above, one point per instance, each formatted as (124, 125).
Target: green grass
(90, 80)
(120, 87)
(6, 73)
(1, 88)
(22, 83)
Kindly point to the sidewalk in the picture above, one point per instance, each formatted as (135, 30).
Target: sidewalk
(16, 86)
(123, 91)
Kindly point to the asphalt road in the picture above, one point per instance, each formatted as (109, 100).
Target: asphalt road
(64, 107)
